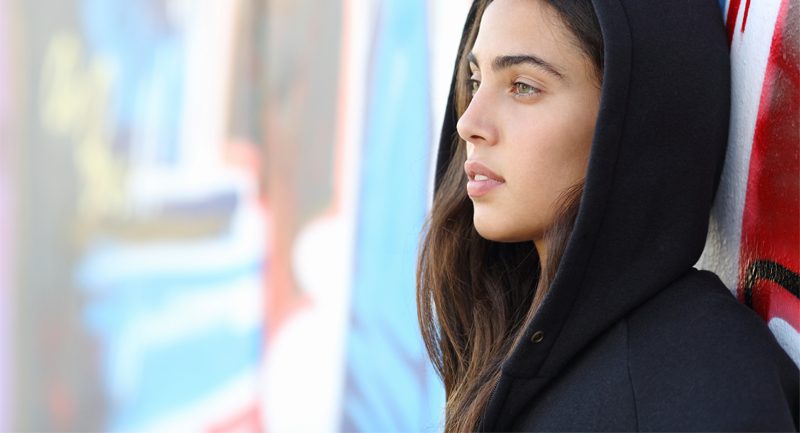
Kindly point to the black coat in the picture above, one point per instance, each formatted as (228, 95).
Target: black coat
(631, 337)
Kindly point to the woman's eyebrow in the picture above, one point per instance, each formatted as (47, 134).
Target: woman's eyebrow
(504, 62)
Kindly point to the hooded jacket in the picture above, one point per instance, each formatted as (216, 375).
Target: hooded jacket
(631, 337)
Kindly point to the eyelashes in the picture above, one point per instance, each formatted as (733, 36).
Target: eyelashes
(472, 86)
(517, 88)
(526, 89)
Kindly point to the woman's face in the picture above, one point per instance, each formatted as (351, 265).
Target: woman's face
(531, 119)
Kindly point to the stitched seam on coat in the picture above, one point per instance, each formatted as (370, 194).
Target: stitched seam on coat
(630, 378)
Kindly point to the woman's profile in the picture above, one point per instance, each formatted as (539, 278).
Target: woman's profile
(580, 153)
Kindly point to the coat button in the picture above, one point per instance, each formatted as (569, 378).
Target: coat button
(537, 337)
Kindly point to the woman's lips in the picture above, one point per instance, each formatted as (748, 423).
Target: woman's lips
(482, 180)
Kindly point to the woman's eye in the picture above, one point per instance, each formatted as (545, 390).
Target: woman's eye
(525, 89)
(473, 85)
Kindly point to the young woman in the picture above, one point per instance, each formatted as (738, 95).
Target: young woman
(579, 157)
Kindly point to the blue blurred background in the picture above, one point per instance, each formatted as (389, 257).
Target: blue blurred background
(210, 209)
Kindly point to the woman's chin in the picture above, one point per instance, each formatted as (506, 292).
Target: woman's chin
(499, 231)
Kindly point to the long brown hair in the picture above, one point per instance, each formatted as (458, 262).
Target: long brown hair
(475, 295)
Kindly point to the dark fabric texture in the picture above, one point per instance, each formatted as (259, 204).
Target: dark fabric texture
(635, 338)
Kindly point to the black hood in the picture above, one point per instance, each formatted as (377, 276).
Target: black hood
(655, 163)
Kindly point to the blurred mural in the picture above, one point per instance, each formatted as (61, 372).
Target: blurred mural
(209, 210)
(215, 214)
(143, 231)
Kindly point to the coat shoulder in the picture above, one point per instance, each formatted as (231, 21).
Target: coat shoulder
(701, 360)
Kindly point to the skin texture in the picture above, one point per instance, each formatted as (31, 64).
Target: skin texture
(528, 126)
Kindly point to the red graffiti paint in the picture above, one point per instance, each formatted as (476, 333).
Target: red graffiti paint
(733, 12)
(770, 248)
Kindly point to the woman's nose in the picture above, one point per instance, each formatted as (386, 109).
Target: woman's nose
(476, 125)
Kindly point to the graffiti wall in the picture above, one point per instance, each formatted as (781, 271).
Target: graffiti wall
(215, 213)
(754, 242)
(142, 263)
